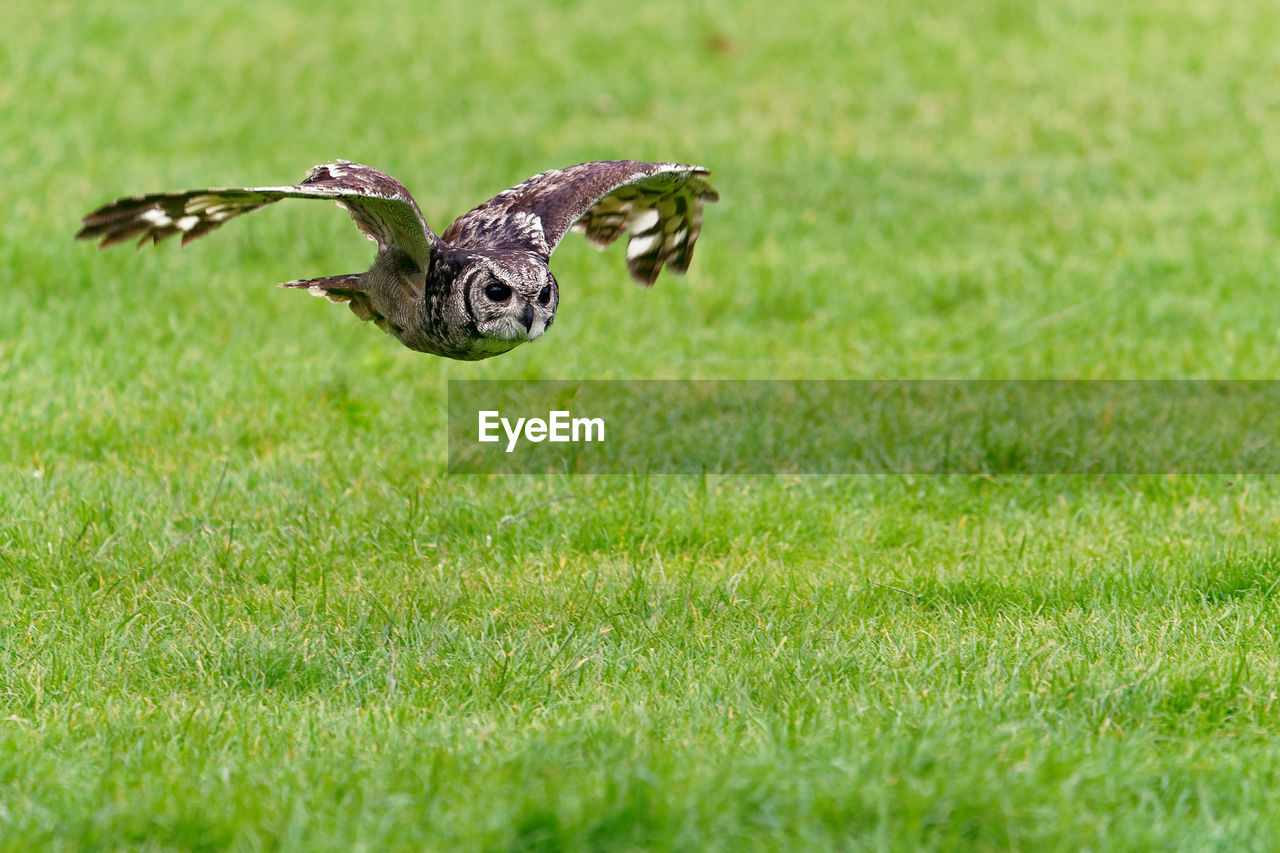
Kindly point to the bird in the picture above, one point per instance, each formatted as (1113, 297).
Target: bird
(483, 286)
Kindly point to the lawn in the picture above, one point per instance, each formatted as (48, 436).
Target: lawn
(243, 605)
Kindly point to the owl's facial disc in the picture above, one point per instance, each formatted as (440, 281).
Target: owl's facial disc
(513, 298)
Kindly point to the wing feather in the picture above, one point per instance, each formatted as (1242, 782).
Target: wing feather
(380, 205)
(658, 204)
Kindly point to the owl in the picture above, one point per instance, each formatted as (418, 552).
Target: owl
(483, 286)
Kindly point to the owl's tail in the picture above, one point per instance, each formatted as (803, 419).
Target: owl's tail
(345, 288)
(335, 288)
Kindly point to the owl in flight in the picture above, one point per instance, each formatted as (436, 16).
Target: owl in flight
(483, 286)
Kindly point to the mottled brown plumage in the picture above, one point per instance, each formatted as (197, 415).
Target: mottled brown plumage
(483, 286)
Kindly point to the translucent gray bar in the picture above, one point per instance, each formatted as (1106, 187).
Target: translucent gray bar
(864, 427)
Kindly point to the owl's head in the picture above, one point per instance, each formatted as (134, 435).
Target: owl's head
(511, 296)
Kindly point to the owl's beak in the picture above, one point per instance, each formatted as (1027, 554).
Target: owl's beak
(527, 317)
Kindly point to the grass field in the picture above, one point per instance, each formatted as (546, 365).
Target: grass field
(243, 606)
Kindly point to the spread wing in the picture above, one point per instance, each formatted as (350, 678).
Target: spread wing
(659, 205)
(379, 204)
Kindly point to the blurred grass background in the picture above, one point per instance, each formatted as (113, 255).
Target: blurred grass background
(244, 607)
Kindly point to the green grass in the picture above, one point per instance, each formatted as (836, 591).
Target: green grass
(243, 606)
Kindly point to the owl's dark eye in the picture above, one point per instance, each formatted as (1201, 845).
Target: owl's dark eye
(544, 295)
(497, 292)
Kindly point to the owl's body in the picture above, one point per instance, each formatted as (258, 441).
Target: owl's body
(481, 288)
(437, 312)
